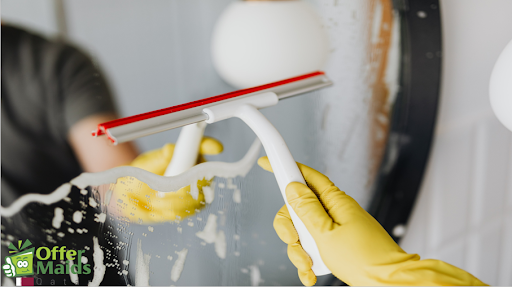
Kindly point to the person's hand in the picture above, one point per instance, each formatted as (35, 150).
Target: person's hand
(353, 245)
(145, 205)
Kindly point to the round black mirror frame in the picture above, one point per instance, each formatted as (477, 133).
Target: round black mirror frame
(413, 116)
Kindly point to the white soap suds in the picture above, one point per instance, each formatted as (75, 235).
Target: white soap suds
(177, 268)
(125, 272)
(206, 170)
(150, 228)
(230, 184)
(169, 257)
(222, 185)
(237, 196)
(194, 191)
(180, 230)
(126, 262)
(255, 275)
(83, 191)
(209, 232)
(100, 217)
(58, 217)
(60, 234)
(73, 276)
(220, 245)
(92, 202)
(209, 194)
(77, 216)
(84, 259)
(210, 235)
(108, 196)
(190, 223)
(71, 230)
(99, 267)
(159, 183)
(142, 269)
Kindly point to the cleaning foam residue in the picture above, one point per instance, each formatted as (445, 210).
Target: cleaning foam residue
(206, 170)
(73, 276)
(237, 196)
(255, 275)
(177, 268)
(209, 194)
(58, 217)
(77, 216)
(209, 233)
(100, 217)
(99, 267)
(92, 202)
(220, 245)
(142, 269)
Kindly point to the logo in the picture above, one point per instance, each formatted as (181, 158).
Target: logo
(21, 264)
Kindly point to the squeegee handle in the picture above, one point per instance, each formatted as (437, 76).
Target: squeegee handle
(286, 171)
(186, 149)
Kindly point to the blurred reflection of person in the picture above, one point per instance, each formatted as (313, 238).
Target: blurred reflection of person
(53, 96)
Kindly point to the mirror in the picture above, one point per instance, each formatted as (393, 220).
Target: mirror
(158, 54)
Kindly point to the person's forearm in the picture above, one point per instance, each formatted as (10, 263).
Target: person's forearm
(98, 154)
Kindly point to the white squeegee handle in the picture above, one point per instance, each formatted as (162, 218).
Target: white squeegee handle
(282, 162)
(286, 171)
(186, 149)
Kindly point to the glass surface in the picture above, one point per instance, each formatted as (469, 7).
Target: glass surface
(340, 131)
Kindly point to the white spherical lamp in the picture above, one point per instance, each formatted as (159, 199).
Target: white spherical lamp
(500, 89)
(258, 42)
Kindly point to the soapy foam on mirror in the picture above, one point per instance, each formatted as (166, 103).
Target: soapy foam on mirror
(220, 244)
(209, 194)
(58, 217)
(177, 268)
(209, 233)
(163, 184)
(206, 170)
(92, 202)
(77, 216)
(100, 217)
(237, 196)
(99, 267)
(73, 276)
(255, 275)
(142, 269)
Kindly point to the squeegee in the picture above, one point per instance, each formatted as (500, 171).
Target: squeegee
(243, 104)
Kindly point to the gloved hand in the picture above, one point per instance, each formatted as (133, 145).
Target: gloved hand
(145, 205)
(353, 245)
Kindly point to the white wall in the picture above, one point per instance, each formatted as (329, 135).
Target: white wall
(38, 15)
(464, 212)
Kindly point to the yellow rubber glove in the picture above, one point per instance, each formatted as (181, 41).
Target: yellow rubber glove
(353, 245)
(144, 205)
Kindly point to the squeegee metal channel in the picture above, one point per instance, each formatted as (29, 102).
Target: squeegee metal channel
(174, 120)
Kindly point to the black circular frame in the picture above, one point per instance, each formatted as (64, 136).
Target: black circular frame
(413, 115)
